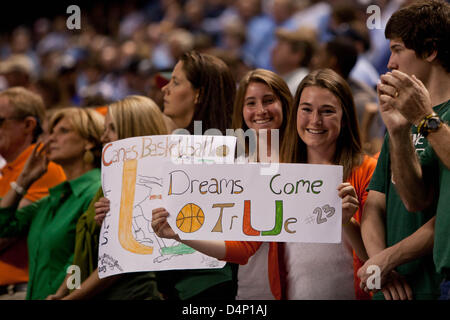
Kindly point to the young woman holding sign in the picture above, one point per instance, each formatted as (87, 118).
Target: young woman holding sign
(202, 88)
(263, 102)
(326, 132)
(133, 116)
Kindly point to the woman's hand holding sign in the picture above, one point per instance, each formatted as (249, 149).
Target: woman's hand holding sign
(161, 226)
(350, 203)
(102, 207)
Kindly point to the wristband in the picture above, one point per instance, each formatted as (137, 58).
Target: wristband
(18, 189)
(421, 125)
(429, 124)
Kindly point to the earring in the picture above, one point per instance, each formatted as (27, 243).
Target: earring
(88, 157)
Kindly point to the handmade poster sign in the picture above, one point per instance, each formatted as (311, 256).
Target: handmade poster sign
(299, 203)
(132, 180)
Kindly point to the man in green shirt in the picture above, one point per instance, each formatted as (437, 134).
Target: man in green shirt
(434, 156)
(399, 219)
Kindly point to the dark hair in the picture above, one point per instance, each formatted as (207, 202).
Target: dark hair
(217, 88)
(348, 144)
(345, 52)
(424, 27)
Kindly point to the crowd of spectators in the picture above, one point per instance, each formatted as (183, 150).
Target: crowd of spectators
(121, 46)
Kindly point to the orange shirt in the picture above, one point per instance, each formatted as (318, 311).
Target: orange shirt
(103, 110)
(360, 179)
(241, 251)
(14, 259)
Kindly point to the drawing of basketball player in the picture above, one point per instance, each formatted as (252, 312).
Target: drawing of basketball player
(147, 193)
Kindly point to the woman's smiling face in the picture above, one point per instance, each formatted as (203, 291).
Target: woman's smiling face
(262, 108)
(319, 118)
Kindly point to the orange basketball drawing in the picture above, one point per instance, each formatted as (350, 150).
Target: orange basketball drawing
(190, 218)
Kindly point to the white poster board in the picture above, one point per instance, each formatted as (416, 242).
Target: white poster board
(132, 180)
(299, 203)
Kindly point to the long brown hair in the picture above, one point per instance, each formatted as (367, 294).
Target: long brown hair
(217, 88)
(348, 144)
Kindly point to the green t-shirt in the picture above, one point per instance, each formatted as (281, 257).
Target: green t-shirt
(50, 225)
(400, 223)
(441, 251)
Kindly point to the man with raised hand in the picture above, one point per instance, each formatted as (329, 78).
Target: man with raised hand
(398, 223)
(21, 115)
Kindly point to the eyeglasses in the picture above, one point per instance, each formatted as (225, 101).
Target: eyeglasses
(10, 118)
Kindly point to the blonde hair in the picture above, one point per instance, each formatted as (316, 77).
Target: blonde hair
(26, 104)
(87, 122)
(136, 116)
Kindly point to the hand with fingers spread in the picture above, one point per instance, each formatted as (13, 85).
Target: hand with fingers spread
(161, 226)
(350, 203)
(397, 288)
(102, 207)
(35, 167)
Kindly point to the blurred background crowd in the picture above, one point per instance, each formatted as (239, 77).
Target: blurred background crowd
(122, 45)
(130, 47)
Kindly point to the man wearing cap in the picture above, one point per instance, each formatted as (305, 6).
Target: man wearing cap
(292, 54)
(21, 115)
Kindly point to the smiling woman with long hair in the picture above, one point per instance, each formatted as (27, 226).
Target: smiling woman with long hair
(263, 102)
(322, 129)
(326, 131)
